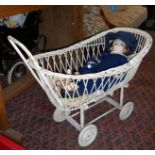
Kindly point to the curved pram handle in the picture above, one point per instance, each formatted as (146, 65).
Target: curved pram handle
(17, 45)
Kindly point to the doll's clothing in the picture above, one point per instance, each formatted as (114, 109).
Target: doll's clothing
(107, 61)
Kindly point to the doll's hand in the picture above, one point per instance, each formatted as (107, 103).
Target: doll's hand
(71, 86)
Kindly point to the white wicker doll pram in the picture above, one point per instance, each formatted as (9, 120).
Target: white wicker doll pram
(48, 68)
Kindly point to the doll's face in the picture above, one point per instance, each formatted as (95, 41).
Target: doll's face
(119, 46)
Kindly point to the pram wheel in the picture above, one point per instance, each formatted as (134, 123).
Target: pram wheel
(18, 70)
(59, 115)
(87, 135)
(126, 110)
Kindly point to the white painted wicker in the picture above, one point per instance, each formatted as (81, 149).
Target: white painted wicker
(50, 67)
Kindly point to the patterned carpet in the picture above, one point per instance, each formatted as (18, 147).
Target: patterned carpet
(31, 113)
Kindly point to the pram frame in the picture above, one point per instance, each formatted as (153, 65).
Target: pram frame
(64, 111)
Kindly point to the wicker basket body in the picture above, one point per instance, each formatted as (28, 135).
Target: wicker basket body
(50, 67)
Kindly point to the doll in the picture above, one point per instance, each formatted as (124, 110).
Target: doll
(120, 45)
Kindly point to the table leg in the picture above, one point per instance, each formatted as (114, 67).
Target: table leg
(4, 123)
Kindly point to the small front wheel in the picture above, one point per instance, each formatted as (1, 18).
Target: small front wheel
(126, 111)
(87, 135)
(59, 115)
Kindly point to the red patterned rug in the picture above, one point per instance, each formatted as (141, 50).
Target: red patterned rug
(31, 113)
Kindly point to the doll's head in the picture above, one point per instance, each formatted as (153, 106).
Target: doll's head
(120, 47)
(121, 41)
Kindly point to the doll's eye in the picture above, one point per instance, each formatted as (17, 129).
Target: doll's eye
(122, 45)
(115, 43)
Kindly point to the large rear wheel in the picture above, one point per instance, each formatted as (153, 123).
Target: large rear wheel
(87, 135)
(126, 110)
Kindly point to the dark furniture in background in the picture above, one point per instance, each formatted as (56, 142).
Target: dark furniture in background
(150, 22)
(64, 27)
